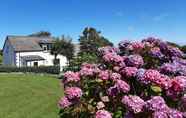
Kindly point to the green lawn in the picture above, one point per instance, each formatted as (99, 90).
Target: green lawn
(29, 96)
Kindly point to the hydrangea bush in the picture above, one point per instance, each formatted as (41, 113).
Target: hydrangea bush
(144, 79)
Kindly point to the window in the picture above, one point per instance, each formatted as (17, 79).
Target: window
(44, 47)
(35, 64)
(49, 46)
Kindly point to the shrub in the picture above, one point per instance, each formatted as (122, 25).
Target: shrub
(71, 68)
(40, 69)
(82, 58)
(136, 80)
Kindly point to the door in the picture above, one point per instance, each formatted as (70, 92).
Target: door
(35, 64)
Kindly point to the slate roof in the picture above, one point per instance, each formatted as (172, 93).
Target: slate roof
(28, 43)
(32, 58)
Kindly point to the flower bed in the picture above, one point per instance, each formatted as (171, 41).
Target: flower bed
(144, 79)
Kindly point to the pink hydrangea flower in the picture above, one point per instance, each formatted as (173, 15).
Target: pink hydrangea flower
(173, 113)
(156, 52)
(152, 40)
(122, 86)
(133, 103)
(169, 113)
(103, 114)
(64, 102)
(112, 58)
(134, 61)
(159, 114)
(73, 92)
(88, 69)
(104, 75)
(70, 76)
(177, 86)
(154, 77)
(169, 68)
(175, 52)
(156, 103)
(163, 81)
(178, 83)
(151, 76)
(108, 57)
(129, 71)
(115, 76)
(108, 49)
(137, 46)
(147, 44)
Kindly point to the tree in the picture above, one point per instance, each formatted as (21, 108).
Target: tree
(63, 46)
(67, 47)
(76, 62)
(55, 50)
(173, 44)
(41, 34)
(183, 48)
(91, 40)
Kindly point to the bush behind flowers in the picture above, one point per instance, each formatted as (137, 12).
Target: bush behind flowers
(144, 79)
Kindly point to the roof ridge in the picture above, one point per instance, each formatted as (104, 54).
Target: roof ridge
(28, 36)
(17, 36)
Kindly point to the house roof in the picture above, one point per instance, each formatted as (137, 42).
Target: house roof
(28, 43)
(32, 58)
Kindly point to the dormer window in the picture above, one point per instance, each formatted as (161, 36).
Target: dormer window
(49, 47)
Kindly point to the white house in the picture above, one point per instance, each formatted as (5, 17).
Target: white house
(30, 51)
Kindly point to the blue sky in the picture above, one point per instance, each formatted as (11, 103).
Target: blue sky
(117, 19)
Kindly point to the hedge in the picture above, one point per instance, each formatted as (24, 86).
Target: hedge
(71, 68)
(40, 69)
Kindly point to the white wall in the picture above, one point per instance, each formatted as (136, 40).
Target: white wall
(46, 55)
(8, 54)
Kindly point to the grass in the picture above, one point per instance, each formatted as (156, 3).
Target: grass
(29, 96)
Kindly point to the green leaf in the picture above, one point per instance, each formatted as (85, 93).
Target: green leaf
(118, 114)
(87, 93)
(156, 89)
(100, 94)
